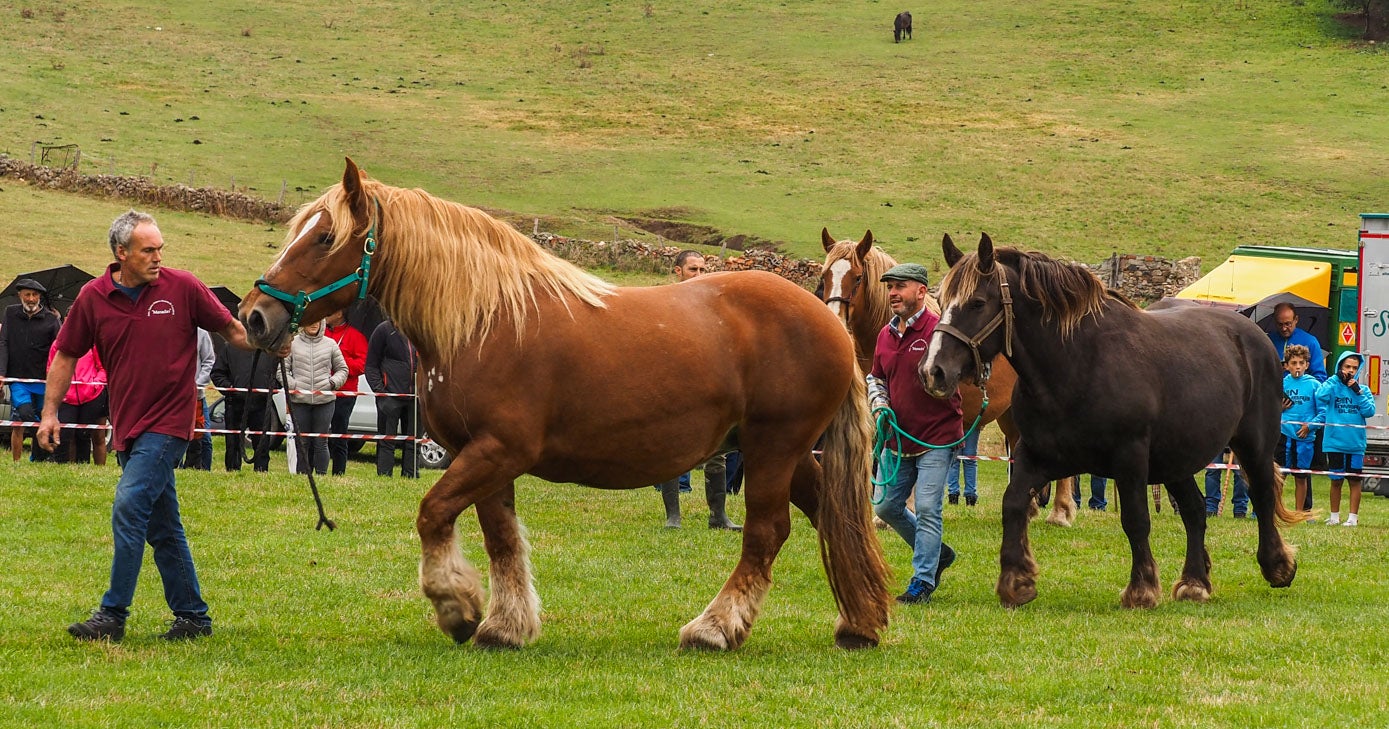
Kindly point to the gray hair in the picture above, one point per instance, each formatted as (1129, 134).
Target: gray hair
(124, 227)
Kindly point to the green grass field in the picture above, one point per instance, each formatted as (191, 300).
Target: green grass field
(1078, 127)
(329, 629)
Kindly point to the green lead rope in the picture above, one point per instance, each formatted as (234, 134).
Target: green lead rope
(890, 460)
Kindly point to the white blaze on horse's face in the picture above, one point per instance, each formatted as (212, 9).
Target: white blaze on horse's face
(839, 274)
(947, 315)
(309, 226)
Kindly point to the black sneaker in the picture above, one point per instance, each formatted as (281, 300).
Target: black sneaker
(971, 500)
(947, 558)
(187, 629)
(918, 592)
(100, 626)
(954, 498)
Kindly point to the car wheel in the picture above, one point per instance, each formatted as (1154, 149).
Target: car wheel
(433, 455)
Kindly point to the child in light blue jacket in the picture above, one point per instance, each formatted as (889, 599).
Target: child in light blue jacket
(1341, 401)
(1297, 439)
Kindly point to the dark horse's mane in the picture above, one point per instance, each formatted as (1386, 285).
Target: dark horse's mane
(1067, 292)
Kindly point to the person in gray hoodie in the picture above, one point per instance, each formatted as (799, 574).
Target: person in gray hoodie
(314, 364)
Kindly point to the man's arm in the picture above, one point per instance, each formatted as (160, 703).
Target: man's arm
(59, 379)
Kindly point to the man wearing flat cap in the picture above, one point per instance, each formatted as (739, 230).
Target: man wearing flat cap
(921, 470)
(29, 331)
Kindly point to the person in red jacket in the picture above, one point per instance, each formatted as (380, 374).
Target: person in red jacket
(354, 349)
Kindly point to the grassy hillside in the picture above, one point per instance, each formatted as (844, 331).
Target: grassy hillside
(1077, 127)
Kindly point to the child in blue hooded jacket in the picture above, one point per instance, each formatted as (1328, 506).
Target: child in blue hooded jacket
(1297, 439)
(1341, 401)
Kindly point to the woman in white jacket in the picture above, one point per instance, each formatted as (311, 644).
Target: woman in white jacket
(314, 363)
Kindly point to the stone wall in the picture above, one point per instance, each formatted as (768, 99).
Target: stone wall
(1146, 279)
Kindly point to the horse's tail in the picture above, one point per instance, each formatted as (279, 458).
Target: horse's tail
(1280, 512)
(849, 547)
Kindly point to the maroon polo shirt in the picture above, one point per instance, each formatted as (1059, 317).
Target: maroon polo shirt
(895, 359)
(149, 347)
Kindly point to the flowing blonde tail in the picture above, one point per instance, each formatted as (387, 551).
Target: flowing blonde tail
(1280, 512)
(849, 547)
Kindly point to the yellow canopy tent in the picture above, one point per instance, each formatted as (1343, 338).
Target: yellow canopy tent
(1246, 280)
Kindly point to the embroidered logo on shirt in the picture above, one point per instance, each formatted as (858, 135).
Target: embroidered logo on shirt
(162, 307)
(918, 346)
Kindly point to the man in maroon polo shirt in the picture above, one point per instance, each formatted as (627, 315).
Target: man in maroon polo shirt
(921, 470)
(142, 319)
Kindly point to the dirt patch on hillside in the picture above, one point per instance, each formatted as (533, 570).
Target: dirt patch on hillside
(1377, 32)
(693, 234)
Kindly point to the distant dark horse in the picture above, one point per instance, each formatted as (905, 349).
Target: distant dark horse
(902, 27)
(1159, 393)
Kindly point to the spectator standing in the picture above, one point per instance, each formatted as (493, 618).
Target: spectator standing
(1287, 332)
(25, 339)
(84, 404)
(353, 346)
(1296, 437)
(314, 364)
(894, 384)
(1341, 401)
(1239, 499)
(233, 369)
(199, 454)
(390, 368)
(689, 264)
(1097, 486)
(965, 469)
(142, 319)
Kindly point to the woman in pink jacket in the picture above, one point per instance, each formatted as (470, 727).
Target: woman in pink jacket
(84, 404)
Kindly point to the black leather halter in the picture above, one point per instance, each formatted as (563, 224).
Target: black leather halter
(1004, 317)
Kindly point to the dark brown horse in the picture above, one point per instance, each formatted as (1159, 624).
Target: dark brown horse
(1158, 394)
(850, 285)
(527, 365)
(902, 27)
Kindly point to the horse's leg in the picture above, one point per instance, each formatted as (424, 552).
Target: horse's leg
(513, 613)
(1195, 582)
(728, 619)
(1017, 579)
(447, 579)
(1277, 559)
(1063, 503)
(1143, 589)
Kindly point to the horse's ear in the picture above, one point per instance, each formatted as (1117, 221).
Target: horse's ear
(864, 246)
(952, 254)
(352, 189)
(986, 253)
(826, 239)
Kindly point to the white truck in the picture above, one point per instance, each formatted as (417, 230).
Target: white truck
(1374, 342)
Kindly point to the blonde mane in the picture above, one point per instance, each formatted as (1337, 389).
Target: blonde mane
(874, 299)
(1067, 292)
(446, 273)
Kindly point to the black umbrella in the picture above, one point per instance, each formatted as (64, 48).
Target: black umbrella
(62, 283)
(229, 298)
(1311, 316)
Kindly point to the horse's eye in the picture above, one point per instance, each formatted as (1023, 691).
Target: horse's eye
(325, 240)
(974, 304)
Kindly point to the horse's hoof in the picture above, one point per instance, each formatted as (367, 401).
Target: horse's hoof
(1285, 577)
(1137, 599)
(1191, 591)
(853, 641)
(462, 631)
(1017, 591)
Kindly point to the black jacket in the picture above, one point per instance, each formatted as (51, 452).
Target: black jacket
(233, 369)
(391, 360)
(25, 340)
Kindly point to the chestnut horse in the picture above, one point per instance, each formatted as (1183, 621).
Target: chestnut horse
(1136, 413)
(527, 366)
(849, 284)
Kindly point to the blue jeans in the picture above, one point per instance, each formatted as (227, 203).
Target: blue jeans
(146, 510)
(1239, 501)
(924, 476)
(1097, 485)
(970, 467)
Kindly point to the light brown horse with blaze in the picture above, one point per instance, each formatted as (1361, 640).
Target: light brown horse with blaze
(850, 285)
(529, 365)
